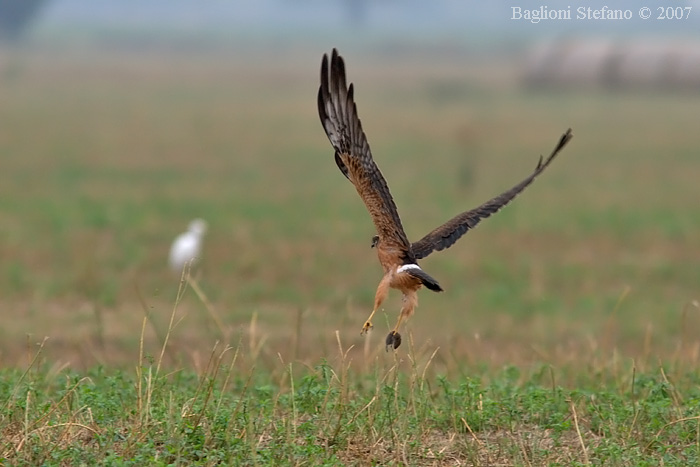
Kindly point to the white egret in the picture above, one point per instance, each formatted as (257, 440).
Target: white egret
(187, 246)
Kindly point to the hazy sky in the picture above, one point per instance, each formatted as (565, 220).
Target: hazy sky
(388, 17)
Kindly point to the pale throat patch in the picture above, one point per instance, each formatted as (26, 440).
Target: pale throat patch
(406, 267)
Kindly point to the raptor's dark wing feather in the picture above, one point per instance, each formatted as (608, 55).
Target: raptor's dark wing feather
(447, 234)
(338, 113)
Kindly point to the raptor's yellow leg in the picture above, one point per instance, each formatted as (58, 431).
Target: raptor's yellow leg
(398, 324)
(410, 302)
(382, 291)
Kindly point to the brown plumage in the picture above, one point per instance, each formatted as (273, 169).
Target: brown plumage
(397, 255)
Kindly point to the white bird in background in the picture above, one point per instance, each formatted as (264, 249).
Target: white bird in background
(187, 246)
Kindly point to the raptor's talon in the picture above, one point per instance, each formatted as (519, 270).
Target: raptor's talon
(366, 328)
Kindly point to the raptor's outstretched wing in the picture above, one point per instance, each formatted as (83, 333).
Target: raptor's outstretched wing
(447, 234)
(338, 113)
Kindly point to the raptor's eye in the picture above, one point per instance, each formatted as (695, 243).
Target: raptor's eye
(375, 240)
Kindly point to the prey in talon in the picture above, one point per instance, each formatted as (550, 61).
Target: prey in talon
(398, 257)
(393, 340)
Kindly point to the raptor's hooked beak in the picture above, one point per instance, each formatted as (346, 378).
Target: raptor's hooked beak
(375, 240)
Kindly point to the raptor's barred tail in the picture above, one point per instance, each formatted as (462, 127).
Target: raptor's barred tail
(425, 279)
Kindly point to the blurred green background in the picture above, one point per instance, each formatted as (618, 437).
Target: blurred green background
(117, 129)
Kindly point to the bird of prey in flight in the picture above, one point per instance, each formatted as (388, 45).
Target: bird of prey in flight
(397, 255)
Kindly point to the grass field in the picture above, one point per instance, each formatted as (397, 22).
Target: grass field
(567, 333)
